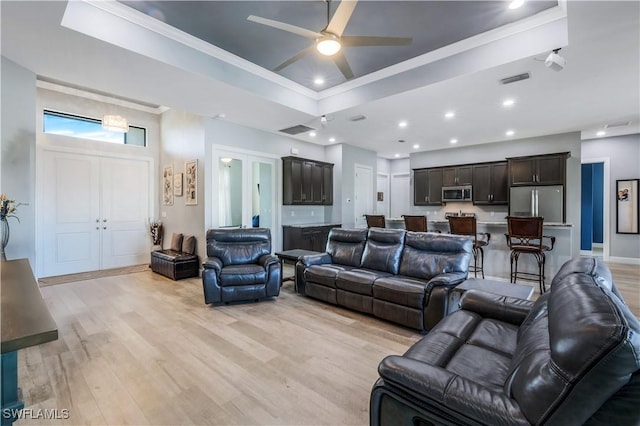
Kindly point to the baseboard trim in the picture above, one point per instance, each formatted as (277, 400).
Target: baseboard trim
(598, 245)
(625, 260)
(586, 253)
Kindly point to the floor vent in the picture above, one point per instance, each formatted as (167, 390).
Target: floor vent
(514, 78)
(296, 130)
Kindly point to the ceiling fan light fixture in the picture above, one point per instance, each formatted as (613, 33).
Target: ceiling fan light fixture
(328, 45)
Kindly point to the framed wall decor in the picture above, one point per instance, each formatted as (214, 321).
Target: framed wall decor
(167, 186)
(191, 183)
(627, 206)
(177, 184)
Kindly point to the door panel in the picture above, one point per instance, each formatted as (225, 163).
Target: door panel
(363, 194)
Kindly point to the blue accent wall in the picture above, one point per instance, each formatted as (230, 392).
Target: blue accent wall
(598, 202)
(586, 211)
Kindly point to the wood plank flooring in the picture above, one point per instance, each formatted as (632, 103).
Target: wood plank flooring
(142, 349)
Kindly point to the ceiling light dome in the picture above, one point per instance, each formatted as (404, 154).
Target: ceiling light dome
(328, 44)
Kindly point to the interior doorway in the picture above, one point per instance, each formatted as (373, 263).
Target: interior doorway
(382, 194)
(400, 188)
(363, 194)
(594, 210)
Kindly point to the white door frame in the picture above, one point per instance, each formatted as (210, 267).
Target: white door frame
(607, 205)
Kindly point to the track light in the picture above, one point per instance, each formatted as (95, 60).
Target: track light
(555, 61)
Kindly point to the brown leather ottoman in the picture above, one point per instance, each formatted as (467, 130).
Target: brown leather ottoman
(175, 264)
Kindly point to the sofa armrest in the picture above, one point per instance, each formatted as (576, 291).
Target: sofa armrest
(462, 398)
(489, 305)
(315, 259)
(448, 279)
(213, 263)
(267, 259)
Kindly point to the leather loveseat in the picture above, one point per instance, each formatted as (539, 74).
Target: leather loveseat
(240, 266)
(400, 276)
(570, 358)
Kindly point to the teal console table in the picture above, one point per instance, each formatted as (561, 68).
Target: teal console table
(26, 321)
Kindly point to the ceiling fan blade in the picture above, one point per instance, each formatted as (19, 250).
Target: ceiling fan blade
(340, 19)
(343, 65)
(375, 41)
(285, 27)
(295, 58)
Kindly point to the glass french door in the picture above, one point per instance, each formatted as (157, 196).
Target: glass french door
(244, 188)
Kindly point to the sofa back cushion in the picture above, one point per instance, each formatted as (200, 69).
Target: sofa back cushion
(578, 346)
(346, 245)
(383, 250)
(427, 254)
(238, 246)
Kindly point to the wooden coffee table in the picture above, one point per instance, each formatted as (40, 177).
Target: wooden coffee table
(292, 256)
(501, 288)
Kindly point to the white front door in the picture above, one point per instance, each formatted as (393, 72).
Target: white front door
(93, 213)
(363, 194)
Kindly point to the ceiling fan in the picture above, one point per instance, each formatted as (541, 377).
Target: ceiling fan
(330, 41)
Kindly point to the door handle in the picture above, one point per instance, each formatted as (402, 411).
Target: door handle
(104, 220)
(104, 227)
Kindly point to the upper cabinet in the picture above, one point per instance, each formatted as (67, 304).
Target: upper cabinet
(538, 170)
(490, 183)
(306, 182)
(457, 176)
(427, 187)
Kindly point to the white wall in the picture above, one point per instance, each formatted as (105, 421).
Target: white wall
(18, 158)
(624, 155)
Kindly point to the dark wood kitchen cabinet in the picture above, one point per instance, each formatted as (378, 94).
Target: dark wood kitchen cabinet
(491, 183)
(427, 187)
(306, 237)
(457, 176)
(538, 170)
(306, 182)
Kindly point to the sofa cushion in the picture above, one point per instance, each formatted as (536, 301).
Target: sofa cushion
(427, 254)
(242, 275)
(359, 280)
(176, 242)
(189, 244)
(400, 290)
(171, 255)
(383, 250)
(240, 246)
(325, 274)
(346, 246)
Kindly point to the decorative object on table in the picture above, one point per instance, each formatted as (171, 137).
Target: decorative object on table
(177, 184)
(627, 206)
(155, 229)
(7, 209)
(191, 183)
(167, 186)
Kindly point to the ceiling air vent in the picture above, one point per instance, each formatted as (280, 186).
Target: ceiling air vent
(514, 78)
(296, 130)
(618, 124)
(358, 118)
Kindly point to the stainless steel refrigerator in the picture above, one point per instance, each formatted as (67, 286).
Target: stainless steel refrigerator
(545, 201)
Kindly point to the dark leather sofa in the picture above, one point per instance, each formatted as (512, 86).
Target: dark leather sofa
(400, 276)
(570, 358)
(240, 266)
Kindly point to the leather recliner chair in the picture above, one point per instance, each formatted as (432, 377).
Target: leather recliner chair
(240, 266)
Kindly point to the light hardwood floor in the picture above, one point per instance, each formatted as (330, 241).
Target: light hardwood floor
(142, 349)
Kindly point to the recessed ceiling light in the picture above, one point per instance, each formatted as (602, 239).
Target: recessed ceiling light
(416, 146)
(454, 140)
(397, 155)
(332, 139)
(510, 133)
(402, 124)
(450, 114)
(318, 81)
(508, 102)
(516, 4)
(601, 133)
(312, 134)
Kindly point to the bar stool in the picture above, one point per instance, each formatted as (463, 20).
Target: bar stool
(524, 235)
(467, 225)
(415, 223)
(375, 220)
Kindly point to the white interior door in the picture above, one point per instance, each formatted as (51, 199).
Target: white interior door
(70, 214)
(245, 189)
(363, 194)
(125, 212)
(382, 187)
(400, 199)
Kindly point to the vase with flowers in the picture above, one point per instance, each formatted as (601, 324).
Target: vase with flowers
(7, 209)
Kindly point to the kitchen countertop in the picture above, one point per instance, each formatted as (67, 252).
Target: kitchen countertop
(311, 225)
(504, 223)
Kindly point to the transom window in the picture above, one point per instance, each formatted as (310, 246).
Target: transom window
(59, 123)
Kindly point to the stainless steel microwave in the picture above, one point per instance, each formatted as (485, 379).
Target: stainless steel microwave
(456, 193)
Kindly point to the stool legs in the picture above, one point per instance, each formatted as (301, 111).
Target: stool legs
(540, 276)
(478, 257)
